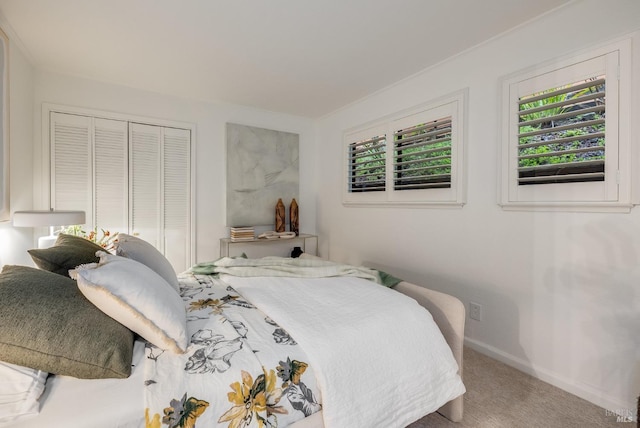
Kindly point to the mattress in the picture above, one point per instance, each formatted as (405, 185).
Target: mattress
(97, 403)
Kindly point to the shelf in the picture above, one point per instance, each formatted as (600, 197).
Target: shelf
(280, 245)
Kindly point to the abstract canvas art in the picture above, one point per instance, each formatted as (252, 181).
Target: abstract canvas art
(262, 167)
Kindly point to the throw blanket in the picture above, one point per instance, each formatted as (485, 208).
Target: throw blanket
(287, 267)
(379, 358)
(240, 370)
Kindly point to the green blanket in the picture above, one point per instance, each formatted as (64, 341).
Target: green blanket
(282, 266)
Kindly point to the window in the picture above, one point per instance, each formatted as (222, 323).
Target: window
(565, 136)
(414, 157)
(127, 176)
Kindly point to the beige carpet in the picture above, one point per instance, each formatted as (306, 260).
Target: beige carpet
(499, 396)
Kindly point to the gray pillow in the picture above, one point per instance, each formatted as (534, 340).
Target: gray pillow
(68, 252)
(141, 251)
(47, 324)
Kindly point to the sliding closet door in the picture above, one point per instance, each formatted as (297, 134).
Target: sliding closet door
(71, 175)
(128, 177)
(111, 184)
(176, 195)
(145, 184)
(89, 169)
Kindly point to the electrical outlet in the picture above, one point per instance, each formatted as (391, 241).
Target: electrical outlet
(475, 311)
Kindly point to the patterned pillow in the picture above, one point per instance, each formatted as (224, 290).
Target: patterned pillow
(48, 325)
(68, 252)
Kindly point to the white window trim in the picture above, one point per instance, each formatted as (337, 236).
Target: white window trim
(454, 104)
(623, 155)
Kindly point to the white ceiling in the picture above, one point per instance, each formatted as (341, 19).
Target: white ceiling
(304, 57)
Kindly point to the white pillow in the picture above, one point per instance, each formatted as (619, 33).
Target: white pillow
(20, 390)
(141, 251)
(137, 297)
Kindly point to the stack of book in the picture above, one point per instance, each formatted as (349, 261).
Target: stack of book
(242, 233)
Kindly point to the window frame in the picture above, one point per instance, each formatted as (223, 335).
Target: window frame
(453, 105)
(614, 194)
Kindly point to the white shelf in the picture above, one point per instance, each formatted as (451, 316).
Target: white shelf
(262, 247)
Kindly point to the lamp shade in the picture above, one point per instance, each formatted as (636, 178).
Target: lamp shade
(48, 218)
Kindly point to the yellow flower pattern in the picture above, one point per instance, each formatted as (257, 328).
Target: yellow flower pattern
(265, 376)
(254, 399)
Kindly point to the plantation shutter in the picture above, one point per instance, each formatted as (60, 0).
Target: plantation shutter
(71, 176)
(145, 176)
(367, 164)
(422, 156)
(111, 175)
(561, 133)
(176, 165)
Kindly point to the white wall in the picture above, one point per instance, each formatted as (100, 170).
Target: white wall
(210, 122)
(15, 241)
(560, 292)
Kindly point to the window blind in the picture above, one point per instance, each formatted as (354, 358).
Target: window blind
(561, 134)
(422, 156)
(367, 165)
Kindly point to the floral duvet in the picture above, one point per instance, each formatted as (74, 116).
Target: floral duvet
(240, 370)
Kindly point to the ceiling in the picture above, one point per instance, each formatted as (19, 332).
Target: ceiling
(304, 57)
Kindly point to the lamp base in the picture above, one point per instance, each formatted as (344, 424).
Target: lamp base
(47, 241)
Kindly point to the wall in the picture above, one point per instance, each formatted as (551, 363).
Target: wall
(15, 241)
(559, 291)
(210, 122)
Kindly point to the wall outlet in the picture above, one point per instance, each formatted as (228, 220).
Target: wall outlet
(475, 311)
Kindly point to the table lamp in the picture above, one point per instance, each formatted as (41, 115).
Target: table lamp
(48, 218)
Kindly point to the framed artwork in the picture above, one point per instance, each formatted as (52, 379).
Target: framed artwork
(4, 127)
(262, 167)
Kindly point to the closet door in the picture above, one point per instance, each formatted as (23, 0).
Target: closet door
(71, 158)
(128, 177)
(176, 196)
(111, 184)
(145, 183)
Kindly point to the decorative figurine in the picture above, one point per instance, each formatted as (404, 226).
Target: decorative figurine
(280, 220)
(294, 225)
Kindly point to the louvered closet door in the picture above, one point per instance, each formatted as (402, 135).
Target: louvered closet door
(111, 187)
(145, 183)
(71, 181)
(176, 164)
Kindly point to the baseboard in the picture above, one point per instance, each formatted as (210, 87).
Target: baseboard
(590, 394)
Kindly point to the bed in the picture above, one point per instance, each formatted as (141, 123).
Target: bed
(240, 316)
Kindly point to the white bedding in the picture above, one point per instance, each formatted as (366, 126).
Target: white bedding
(375, 379)
(382, 383)
(97, 403)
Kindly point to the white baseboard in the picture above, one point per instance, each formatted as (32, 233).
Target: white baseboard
(583, 391)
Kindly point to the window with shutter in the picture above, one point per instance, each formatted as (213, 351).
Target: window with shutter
(367, 164)
(561, 134)
(422, 165)
(422, 156)
(566, 134)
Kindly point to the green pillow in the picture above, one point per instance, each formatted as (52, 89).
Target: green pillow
(47, 324)
(68, 252)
